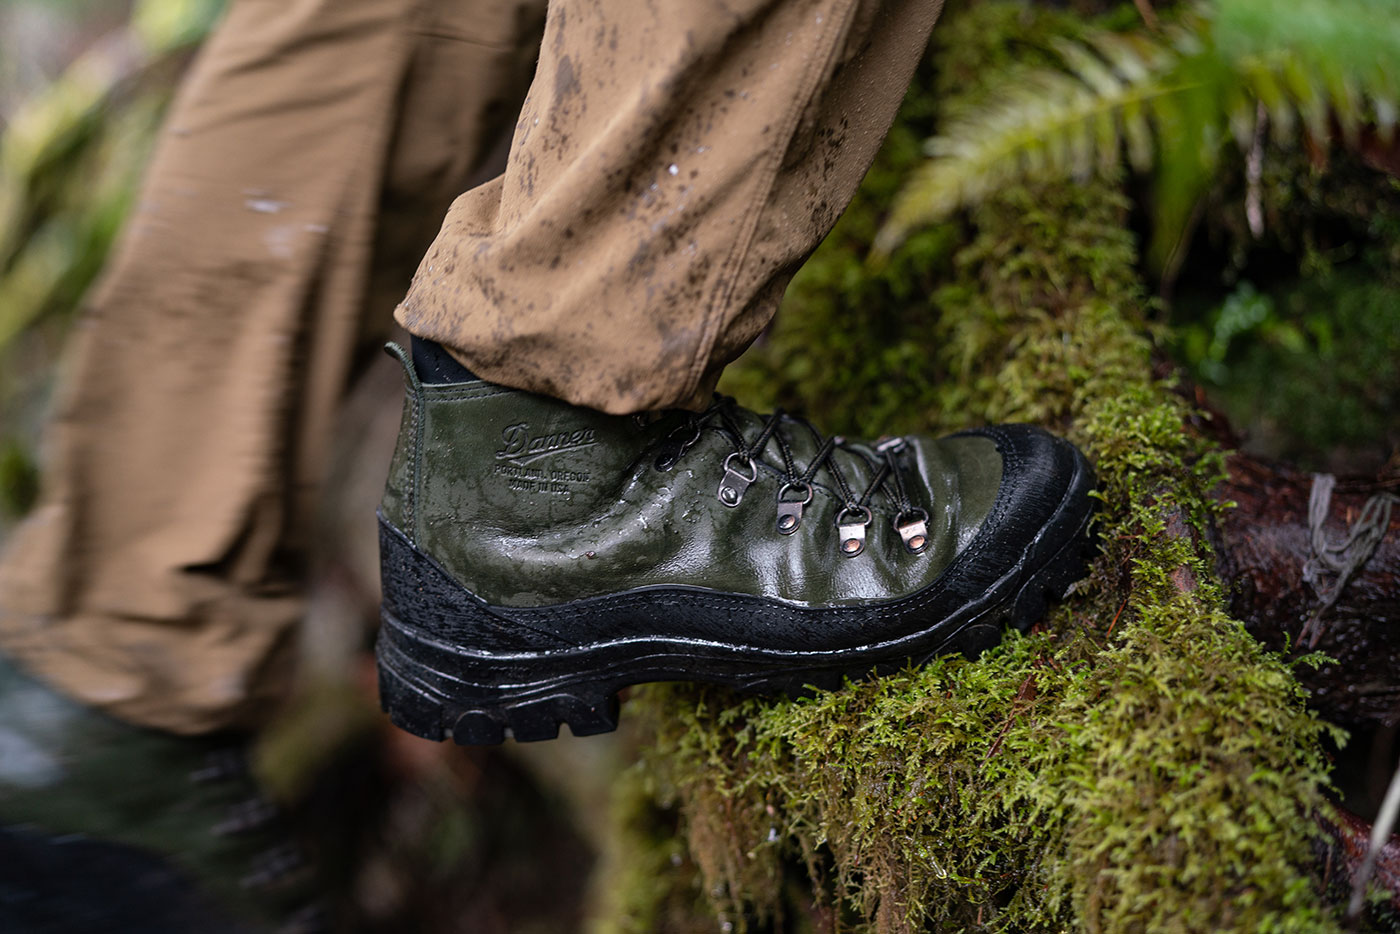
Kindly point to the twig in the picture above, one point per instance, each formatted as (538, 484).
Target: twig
(1380, 833)
(1254, 173)
(1026, 690)
(1122, 607)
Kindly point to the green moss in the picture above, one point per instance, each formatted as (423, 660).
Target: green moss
(648, 881)
(1136, 763)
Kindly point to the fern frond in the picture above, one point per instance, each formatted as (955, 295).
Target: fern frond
(1144, 99)
(1337, 59)
(1352, 45)
(1045, 123)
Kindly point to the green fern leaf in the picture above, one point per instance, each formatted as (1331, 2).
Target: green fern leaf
(1169, 102)
(1045, 123)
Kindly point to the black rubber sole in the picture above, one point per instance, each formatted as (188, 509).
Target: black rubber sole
(462, 672)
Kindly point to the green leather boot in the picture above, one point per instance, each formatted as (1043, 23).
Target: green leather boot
(109, 827)
(538, 556)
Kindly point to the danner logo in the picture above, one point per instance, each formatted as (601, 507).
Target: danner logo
(523, 447)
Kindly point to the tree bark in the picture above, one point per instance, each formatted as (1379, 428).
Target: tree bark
(1262, 545)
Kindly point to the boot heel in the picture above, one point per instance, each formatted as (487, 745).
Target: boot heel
(423, 712)
(409, 707)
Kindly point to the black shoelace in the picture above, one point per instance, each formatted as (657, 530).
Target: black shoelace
(795, 493)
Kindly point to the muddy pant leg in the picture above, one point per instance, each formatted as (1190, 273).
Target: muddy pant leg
(672, 167)
(163, 570)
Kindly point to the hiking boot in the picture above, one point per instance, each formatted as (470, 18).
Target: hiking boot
(106, 826)
(538, 556)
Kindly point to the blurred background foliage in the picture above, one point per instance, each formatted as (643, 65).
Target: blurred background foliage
(1250, 146)
(83, 84)
(1166, 95)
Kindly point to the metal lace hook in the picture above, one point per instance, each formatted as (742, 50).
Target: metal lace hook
(912, 526)
(790, 510)
(668, 459)
(732, 487)
(850, 523)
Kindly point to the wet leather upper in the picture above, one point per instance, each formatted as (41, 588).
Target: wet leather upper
(528, 501)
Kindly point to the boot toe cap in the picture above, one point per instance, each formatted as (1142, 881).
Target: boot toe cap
(1042, 501)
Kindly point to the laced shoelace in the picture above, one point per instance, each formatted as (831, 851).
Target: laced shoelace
(795, 493)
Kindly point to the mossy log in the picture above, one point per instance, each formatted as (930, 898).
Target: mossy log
(1138, 762)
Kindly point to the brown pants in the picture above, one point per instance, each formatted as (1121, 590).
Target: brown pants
(673, 163)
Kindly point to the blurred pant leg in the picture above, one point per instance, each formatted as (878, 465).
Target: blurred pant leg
(164, 569)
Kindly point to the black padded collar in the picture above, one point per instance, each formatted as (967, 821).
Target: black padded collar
(435, 365)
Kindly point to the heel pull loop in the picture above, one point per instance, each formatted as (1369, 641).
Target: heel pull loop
(399, 353)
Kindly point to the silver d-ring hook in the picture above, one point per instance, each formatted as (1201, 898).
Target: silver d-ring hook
(677, 448)
(732, 487)
(912, 527)
(790, 510)
(850, 523)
